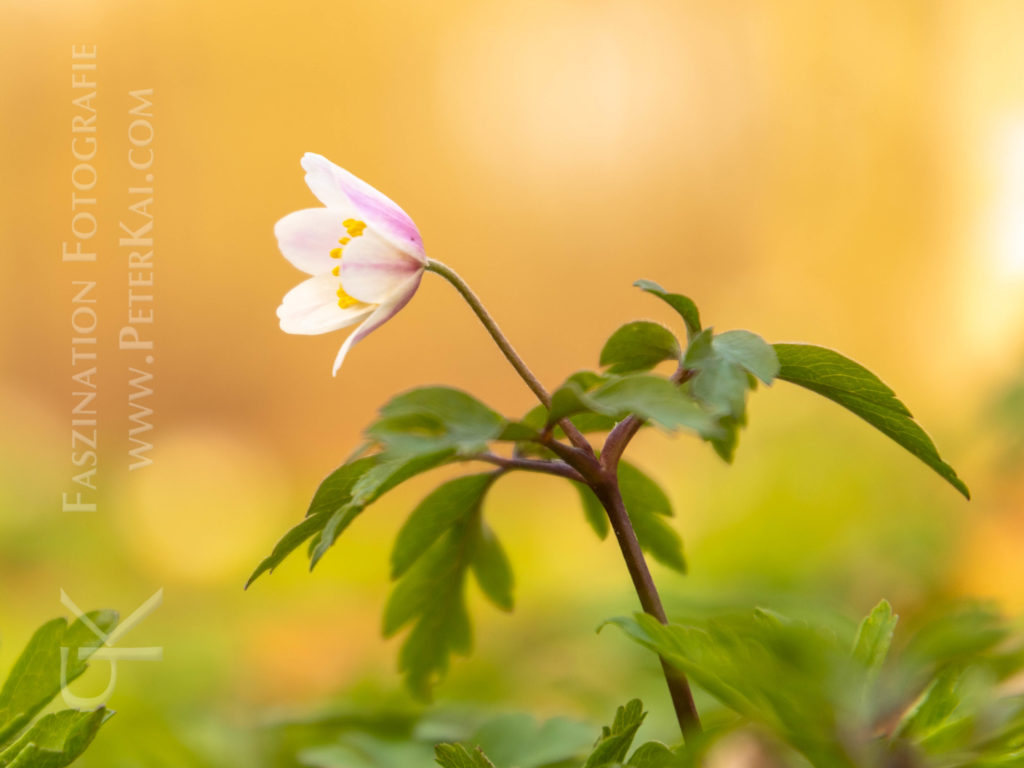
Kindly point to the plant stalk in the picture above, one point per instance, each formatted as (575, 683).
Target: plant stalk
(678, 686)
(453, 277)
(600, 475)
(503, 343)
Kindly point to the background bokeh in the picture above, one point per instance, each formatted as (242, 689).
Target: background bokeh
(842, 172)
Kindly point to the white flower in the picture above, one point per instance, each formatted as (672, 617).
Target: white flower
(364, 253)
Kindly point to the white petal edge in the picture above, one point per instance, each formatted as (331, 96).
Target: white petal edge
(311, 308)
(307, 237)
(384, 312)
(337, 188)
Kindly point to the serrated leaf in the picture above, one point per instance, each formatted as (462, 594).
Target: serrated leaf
(387, 472)
(725, 444)
(446, 505)
(55, 740)
(594, 513)
(720, 383)
(433, 418)
(935, 705)
(654, 399)
(639, 346)
(431, 595)
(749, 351)
(492, 569)
(854, 387)
(35, 678)
(784, 674)
(333, 493)
(457, 756)
(681, 304)
(614, 744)
(874, 636)
(342, 496)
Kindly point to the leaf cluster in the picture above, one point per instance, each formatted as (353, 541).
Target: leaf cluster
(54, 657)
(447, 538)
(945, 698)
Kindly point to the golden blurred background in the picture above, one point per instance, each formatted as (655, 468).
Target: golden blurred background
(842, 172)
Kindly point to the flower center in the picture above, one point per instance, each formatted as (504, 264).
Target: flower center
(354, 228)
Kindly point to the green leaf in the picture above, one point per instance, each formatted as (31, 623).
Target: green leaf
(785, 675)
(652, 398)
(874, 636)
(719, 383)
(334, 492)
(933, 708)
(681, 304)
(518, 740)
(654, 754)
(642, 491)
(433, 418)
(566, 401)
(518, 431)
(431, 591)
(750, 351)
(843, 381)
(387, 472)
(35, 678)
(492, 569)
(432, 595)
(454, 501)
(55, 740)
(457, 756)
(725, 444)
(647, 505)
(615, 741)
(639, 346)
(342, 497)
(594, 513)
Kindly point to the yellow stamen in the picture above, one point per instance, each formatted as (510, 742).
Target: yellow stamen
(336, 253)
(354, 227)
(336, 270)
(345, 240)
(344, 300)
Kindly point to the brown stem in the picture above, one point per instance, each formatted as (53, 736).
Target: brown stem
(558, 468)
(678, 686)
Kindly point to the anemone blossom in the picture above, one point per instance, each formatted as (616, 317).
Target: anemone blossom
(364, 254)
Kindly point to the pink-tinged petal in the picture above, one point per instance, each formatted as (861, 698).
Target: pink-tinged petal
(307, 237)
(337, 188)
(381, 315)
(372, 268)
(311, 308)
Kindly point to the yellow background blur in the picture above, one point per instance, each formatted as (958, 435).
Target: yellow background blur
(844, 173)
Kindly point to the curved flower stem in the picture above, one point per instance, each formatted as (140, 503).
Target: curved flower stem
(678, 686)
(505, 346)
(580, 463)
